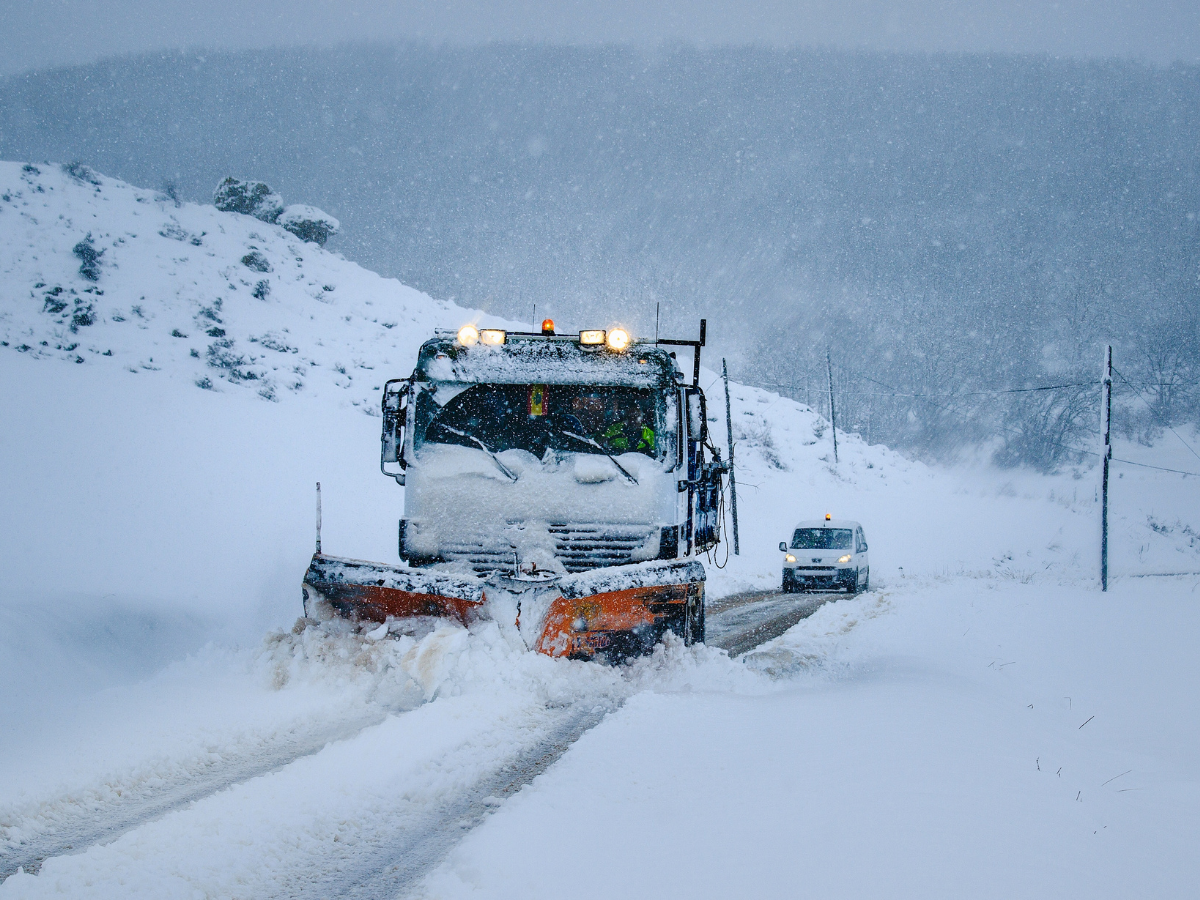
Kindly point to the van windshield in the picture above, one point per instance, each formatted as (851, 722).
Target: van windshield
(822, 539)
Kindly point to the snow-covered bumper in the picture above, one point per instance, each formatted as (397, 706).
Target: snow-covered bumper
(615, 612)
(818, 577)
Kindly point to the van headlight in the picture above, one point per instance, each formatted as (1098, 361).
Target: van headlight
(845, 559)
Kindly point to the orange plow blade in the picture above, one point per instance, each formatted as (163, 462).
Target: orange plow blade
(612, 613)
(373, 591)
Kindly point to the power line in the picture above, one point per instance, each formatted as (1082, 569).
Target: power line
(1157, 416)
(895, 392)
(1130, 462)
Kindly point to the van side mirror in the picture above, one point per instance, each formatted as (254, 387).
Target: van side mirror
(783, 546)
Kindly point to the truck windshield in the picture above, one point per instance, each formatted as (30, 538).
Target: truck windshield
(537, 417)
(822, 539)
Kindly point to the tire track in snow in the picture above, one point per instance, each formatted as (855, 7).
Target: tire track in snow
(743, 621)
(109, 822)
(413, 845)
(394, 859)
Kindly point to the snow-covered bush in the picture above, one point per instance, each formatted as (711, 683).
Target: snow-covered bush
(89, 257)
(309, 223)
(80, 172)
(256, 261)
(252, 198)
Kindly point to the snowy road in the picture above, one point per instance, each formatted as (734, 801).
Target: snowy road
(741, 622)
(81, 828)
(396, 842)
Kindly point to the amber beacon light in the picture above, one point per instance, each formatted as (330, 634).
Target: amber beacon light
(547, 326)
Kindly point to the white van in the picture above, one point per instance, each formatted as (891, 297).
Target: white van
(826, 555)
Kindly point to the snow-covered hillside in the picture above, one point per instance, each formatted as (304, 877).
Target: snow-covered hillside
(218, 299)
(158, 517)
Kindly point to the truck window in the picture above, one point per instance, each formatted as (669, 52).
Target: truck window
(539, 417)
(822, 539)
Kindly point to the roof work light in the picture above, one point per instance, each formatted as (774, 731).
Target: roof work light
(468, 335)
(592, 337)
(493, 336)
(618, 340)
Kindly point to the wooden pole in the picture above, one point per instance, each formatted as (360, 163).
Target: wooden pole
(732, 478)
(832, 409)
(1105, 427)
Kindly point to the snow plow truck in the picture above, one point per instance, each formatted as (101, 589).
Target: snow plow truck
(567, 481)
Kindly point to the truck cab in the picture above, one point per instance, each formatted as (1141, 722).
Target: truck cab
(526, 453)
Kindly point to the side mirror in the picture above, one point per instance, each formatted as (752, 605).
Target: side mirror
(783, 546)
(695, 409)
(395, 413)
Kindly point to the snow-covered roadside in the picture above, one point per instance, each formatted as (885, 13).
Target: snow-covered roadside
(317, 825)
(951, 737)
(966, 520)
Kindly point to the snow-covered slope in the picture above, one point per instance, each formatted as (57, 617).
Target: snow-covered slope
(220, 300)
(156, 499)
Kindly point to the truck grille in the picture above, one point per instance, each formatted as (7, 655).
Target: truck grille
(484, 562)
(578, 547)
(590, 546)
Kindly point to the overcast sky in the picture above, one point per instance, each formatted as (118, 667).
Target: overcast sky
(43, 33)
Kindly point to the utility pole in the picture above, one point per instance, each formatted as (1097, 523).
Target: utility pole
(1105, 425)
(732, 478)
(832, 410)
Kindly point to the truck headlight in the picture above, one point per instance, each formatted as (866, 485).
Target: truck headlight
(845, 559)
(790, 558)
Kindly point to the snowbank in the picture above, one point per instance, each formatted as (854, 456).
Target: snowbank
(950, 738)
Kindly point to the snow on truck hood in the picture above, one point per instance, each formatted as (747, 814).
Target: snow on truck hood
(562, 490)
(562, 487)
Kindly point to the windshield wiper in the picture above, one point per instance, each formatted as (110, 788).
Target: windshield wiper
(590, 442)
(482, 446)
